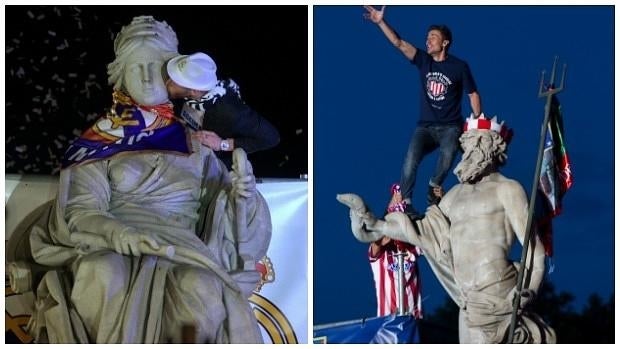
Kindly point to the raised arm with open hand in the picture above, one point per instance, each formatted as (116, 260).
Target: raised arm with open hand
(373, 14)
(376, 16)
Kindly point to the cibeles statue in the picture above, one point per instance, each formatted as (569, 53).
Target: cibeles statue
(149, 232)
(467, 239)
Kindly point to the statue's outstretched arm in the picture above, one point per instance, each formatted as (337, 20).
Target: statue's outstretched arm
(367, 228)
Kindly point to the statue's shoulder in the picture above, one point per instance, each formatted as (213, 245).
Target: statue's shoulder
(509, 186)
(503, 180)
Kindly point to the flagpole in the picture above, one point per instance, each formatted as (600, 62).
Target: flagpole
(528, 229)
(401, 281)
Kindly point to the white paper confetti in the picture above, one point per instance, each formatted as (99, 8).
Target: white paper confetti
(21, 148)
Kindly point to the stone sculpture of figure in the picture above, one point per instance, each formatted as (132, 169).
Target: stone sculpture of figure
(467, 239)
(149, 231)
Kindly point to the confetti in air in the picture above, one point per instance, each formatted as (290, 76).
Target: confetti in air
(55, 66)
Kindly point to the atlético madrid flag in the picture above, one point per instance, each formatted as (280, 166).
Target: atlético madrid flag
(555, 178)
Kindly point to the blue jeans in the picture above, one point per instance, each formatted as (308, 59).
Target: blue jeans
(426, 139)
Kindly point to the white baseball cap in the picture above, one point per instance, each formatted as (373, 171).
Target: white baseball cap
(195, 71)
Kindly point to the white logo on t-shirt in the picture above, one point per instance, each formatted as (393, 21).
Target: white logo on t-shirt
(437, 86)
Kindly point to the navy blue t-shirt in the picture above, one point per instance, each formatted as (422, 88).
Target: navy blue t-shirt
(443, 84)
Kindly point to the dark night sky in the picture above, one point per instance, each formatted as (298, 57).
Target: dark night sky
(364, 85)
(56, 81)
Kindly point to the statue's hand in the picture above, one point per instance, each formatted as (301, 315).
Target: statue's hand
(247, 281)
(527, 296)
(133, 243)
(244, 187)
(127, 242)
(243, 180)
(363, 221)
(353, 201)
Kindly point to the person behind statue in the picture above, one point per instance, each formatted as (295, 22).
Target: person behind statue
(214, 109)
(467, 239)
(444, 78)
(149, 233)
(384, 266)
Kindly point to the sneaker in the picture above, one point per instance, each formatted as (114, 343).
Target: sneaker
(433, 198)
(412, 213)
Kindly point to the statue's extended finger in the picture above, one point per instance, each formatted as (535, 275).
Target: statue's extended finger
(351, 200)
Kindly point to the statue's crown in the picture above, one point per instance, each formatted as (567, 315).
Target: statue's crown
(482, 123)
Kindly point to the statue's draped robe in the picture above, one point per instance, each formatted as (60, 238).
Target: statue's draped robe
(170, 197)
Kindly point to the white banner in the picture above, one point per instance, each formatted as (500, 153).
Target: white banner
(281, 304)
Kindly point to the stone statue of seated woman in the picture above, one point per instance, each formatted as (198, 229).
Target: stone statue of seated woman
(149, 232)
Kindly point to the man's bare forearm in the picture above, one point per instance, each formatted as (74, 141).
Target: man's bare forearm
(406, 48)
(476, 104)
(390, 33)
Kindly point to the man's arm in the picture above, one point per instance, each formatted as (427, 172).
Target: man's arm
(231, 119)
(476, 104)
(376, 16)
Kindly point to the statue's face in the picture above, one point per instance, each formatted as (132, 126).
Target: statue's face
(142, 79)
(477, 156)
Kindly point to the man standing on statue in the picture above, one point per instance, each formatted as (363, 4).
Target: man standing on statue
(444, 78)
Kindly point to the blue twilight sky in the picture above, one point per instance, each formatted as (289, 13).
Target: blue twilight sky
(366, 106)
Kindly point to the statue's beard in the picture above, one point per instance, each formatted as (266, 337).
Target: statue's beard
(472, 165)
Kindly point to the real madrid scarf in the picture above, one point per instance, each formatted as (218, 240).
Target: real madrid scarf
(129, 126)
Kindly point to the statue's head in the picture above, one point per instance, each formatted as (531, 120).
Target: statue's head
(141, 48)
(484, 142)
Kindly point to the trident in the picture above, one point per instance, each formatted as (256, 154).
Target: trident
(401, 281)
(542, 92)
